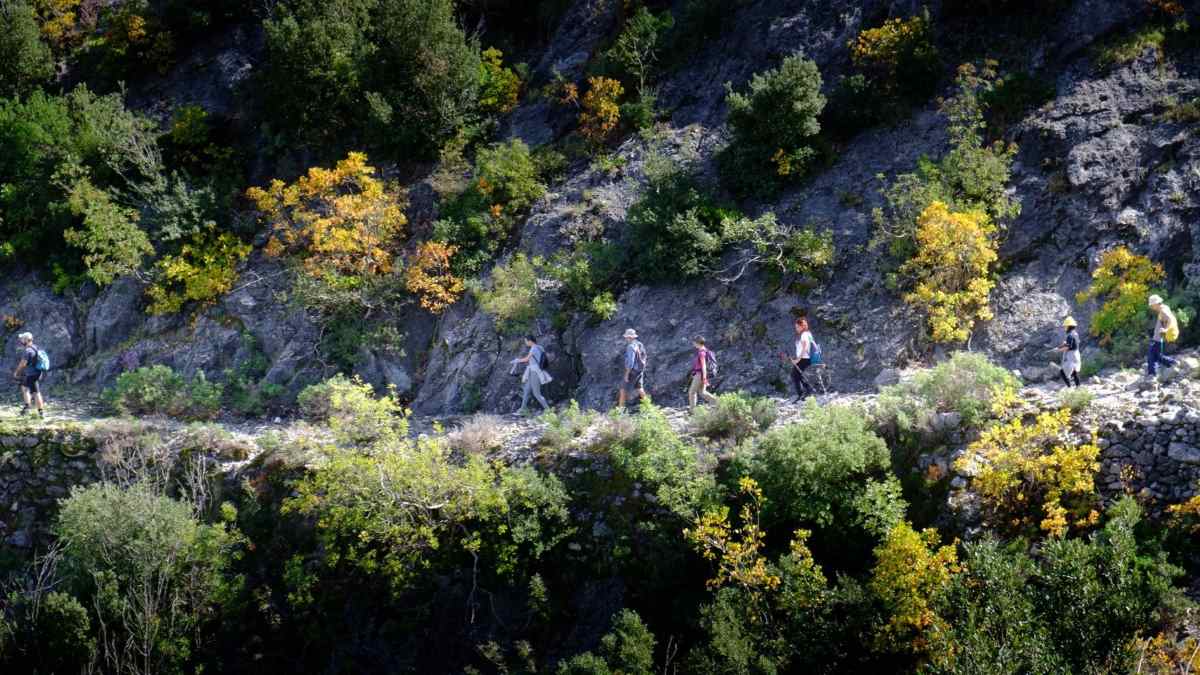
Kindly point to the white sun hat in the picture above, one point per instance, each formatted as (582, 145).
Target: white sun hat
(631, 333)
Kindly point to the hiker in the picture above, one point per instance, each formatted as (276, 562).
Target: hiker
(1166, 329)
(701, 363)
(802, 359)
(29, 372)
(634, 380)
(1071, 361)
(534, 376)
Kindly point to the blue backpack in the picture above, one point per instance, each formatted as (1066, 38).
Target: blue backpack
(43, 360)
(814, 353)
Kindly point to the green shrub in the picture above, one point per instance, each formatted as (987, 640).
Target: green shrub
(394, 515)
(27, 59)
(972, 176)
(735, 416)
(513, 297)
(159, 390)
(816, 470)
(636, 50)
(783, 249)
(45, 630)
(880, 506)
(151, 572)
(898, 58)
(112, 243)
(1075, 399)
(967, 384)
(349, 407)
(646, 450)
(401, 75)
(562, 428)
(627, 648)
(773, 125)
(676, 229)
(506, 183)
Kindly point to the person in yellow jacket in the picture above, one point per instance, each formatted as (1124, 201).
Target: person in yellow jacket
(1166, 329)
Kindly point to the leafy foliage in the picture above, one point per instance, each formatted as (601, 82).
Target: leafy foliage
(815, 470)
(637, 48)
(627, 648)
(27, 59)
(773, 124)
(513, 295)
(1031, 471)
(430, 278)
(736, 416)
(391, 515)
(152, 573)
(203, 270)
(967, 384)
(112, 242)
(897, 55)
(499, 86)
(159, 390)
(1123, 280)
(341, 224)
(912, 574)
(600, 112)
(351, 409)
(951, 271)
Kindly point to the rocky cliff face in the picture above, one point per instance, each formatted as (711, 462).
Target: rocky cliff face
(1098, 164)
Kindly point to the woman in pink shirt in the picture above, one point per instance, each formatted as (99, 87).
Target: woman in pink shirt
(699, 386)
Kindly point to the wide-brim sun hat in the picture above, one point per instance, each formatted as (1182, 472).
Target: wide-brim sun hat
(1155, 300)
(1069, 322)
(631, 333)
(25, 336)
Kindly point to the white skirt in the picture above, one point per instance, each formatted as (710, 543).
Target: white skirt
(1071, 362)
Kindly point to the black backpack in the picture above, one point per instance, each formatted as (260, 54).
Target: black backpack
(712, 365)
(544, 363)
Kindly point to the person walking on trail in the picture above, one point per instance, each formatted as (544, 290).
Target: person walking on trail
(1166, 329)
(701, 363)
(1071, 362)
(535, 375)
(634, 379)
(32, 367)
(801, 359)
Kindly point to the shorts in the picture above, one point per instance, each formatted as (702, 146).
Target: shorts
(31, 381)
(637, 380)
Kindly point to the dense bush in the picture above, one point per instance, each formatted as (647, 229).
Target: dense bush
(898, 57)
(967, 384)
(351, 409)
(159, 390)
(950, 274)
(512, 296)
(676, 230)
(1031, 474)
(627, 648)
(1122, 281)
(971, 176)
(343, 226)
(773, 125)
(782, 249)
(600, 111)
(499, 86)
(814, 471)
(431, 278)
(480, 220)
(390, 515)
(203, 270)
(112, 243)
(149, 570)
(736, 416)
(912, 576)
(27, 59)
(401, 75)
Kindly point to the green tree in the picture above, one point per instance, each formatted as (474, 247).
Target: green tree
(27, 60)
(113, 244)
(637, 47)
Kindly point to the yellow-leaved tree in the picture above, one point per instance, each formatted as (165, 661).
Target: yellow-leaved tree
(601, 109)
(912, 573)
(951, 270)
(341, 225)
(203, 270)
(429, 276)
(1034, 473)
(1123, 280)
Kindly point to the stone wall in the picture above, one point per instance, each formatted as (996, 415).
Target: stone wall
(38, 467)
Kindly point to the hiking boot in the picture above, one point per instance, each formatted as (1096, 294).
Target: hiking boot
(24, 410)
(41, 413)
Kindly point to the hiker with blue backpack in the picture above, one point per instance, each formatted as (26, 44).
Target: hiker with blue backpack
(634, 367)
(535, 374)
(806, 354)
(32, 367)
(704, 365)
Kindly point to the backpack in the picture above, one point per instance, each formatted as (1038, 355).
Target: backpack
(814, 353)
(712, 365)
(641, 357)
(43, 360)
(544, 362)
(1171, 334)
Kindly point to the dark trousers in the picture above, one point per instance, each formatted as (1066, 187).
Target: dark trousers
(803, 388)
(1156, 356)
(1063, 375)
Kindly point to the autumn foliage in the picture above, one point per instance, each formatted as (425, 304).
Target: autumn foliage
(203, 270)
(1123, 280)
(429, 276)
(342, 220)
(601, 111)
(951, 270)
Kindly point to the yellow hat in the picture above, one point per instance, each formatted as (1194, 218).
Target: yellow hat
(1069, 323)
